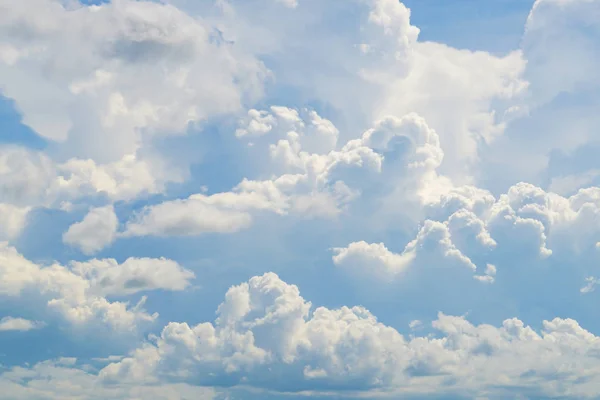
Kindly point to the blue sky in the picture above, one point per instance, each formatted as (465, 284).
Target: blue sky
(494, 26)
(299, 199)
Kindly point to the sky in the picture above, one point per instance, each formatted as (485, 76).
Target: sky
(294, 199)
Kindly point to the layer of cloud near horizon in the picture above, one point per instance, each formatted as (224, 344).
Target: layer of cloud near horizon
(300, 198)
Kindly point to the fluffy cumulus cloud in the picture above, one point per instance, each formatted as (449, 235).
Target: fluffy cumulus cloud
(398, 157)
(538, 247)
(30, 179)
(433, 240)
(265, 328)
(18, 324)
(132, 71)
(439, 205)
(66, 377)
(94, 92)
(77, 293)
(97, 229)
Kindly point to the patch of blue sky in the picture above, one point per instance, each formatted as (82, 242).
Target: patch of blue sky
(495, 26)
(13, 131)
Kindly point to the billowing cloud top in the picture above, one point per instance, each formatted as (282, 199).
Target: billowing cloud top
(299, 198)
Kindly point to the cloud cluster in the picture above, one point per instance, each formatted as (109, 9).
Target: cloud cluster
(30, 179)
(94, 92)
(100, 83)
(78, 292)
(265, 329)
(67, 378)
(398, 156)
(333, 135)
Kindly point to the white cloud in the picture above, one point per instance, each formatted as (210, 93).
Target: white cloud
(570, 184)
(222, 212)
(415, 324)
(265, 325)
(107, 277)
(130, 69)
(124, 179)
(402, 133)
(102, 83)
(289, 3)
(30, 179)
(78, 293)
(24, 176)
(67, 378)
(526, 238)
(257, 123)
(376, 257)
(489, 276)
(561, 39)
(12, 220)
(399, 154)
(526, 242)
(306, 129)
(555, 119)
(18, 324)
(375, 68)
(97, 230)
(23, 181)
(433, 245)
(590, 285)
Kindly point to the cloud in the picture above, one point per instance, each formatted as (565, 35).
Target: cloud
(289, 3)
(99, 112)
(537, 246)
(590, 285)
(77, 293)
(67, 377)
(378, 258)
(378, 41)
(18, 324)
(131, 69)
(308, 130)
(12, 220)
(97, 230)
(462, 94)
(561, 40)
(570, 184)
(433, 243)
(23, 179)
(554, 121)
(225, 212)
(398, 154)
(489, 276)
(24, 175)
(107, 277)
(30, 179)
(265, 325)
(311, 125)
(124, 179)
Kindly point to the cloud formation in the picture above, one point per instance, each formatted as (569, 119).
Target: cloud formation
(18, 324)
(97, 229)
(77, 292)
(265, 325)
(440, 206)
